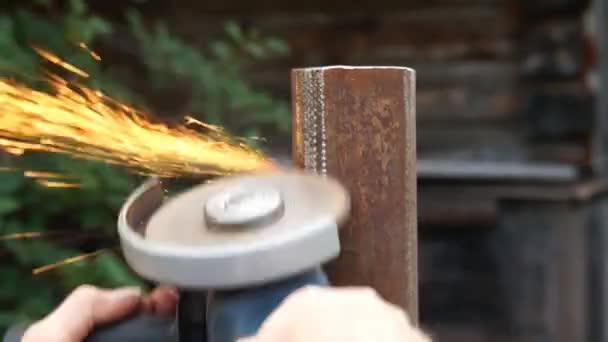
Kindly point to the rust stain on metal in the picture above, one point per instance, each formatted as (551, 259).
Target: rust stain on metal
(358, 125)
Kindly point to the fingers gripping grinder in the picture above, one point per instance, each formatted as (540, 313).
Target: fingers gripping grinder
(235, 248)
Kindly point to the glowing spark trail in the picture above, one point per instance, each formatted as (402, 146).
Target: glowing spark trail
(94, 55)
(35, 235)
(20, 236)
(56, 60)
(42, 174)
(52, 184)
(83, 122)
(68, 261)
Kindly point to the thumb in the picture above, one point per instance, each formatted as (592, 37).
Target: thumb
(88, 307)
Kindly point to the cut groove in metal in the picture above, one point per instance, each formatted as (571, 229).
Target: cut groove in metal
(312, 93)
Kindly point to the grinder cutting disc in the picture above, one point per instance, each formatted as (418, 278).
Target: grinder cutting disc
(238, 231)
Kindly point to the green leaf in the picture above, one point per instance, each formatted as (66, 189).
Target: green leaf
(40, 304)
(234, 31)
(92, 218)
(221, 50)
(99, 26)
(256, 50)
(78, 7)
(7, 318)
(277, 46)
(11, 280)
(8, 205)
(253, 132)
(116, 271)
(10, 182)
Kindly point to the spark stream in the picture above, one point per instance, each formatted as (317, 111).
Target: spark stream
(85, 123)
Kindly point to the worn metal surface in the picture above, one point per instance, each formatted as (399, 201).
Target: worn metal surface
(358, 125)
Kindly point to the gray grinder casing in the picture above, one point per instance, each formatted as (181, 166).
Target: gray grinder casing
(319, 202)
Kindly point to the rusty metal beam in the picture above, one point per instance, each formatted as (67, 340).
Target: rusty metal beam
(358, 125)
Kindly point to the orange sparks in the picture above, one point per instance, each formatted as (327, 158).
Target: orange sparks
(56, 60)
(91, 52)
(51, 184)
(68, 261)
(14, 151)
(19, 236)
(42, 174)
(46, 179)
(84, 123)
(192, 121)
(33, 235)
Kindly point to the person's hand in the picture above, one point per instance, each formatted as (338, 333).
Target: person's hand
(338, 315)
(88, 307)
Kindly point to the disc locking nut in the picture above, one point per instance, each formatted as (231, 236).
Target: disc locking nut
(242, 207)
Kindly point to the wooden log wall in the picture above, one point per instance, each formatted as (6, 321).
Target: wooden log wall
(497, 79)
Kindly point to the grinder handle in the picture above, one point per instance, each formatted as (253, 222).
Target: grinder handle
(138, 328)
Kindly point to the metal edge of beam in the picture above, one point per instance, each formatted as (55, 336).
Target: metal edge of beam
(496, 171)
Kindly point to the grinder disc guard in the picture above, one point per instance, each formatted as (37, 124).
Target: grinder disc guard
(233, 232)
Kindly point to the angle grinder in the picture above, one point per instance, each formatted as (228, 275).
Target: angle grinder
(235, 247)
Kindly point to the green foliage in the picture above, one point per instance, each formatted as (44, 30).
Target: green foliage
(219, 91)
(76, 216)
(88, 214)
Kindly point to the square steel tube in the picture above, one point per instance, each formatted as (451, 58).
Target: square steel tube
(358, 124)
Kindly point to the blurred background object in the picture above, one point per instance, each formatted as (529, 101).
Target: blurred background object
(511, 139)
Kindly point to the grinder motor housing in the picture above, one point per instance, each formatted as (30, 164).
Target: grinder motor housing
(235, 247)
